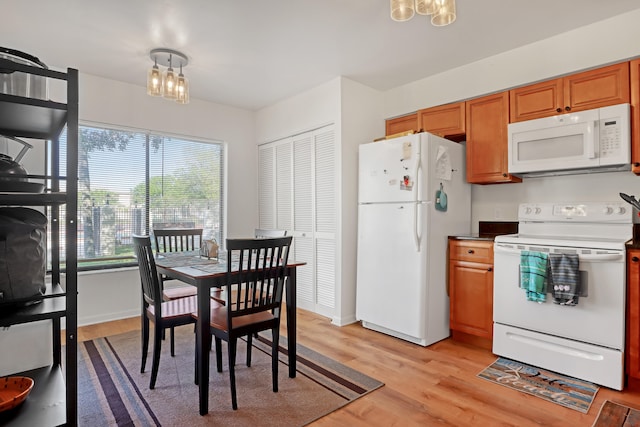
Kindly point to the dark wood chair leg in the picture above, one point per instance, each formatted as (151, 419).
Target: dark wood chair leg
(249, 344)
(173, 345)
(274, 357)
(195, 369)
(145, 342)
(232, 372)
(219, 354)
(157, 346)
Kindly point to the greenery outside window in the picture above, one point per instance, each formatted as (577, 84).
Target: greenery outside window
(131, 181)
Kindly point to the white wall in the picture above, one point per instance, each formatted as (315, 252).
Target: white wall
(303, 112)
(605, 42)
(115, 294)
(362, 121)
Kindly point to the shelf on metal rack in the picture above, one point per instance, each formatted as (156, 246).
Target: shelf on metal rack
(45, 405)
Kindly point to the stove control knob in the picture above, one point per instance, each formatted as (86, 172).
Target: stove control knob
(538, 210)
(620, 210)
(607, 210)
(527, 210)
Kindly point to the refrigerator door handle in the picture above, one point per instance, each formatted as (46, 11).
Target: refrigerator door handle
(416, 236)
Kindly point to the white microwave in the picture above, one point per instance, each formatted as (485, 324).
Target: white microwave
(596, 140)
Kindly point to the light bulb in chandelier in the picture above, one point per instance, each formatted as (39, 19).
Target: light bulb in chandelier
(170, 82)
(402, 10)
(154, 81)
(182, 88)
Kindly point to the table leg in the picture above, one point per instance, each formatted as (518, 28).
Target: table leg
(291, 320)
(203, 345)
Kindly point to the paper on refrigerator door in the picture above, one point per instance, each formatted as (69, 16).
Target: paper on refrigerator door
(443, 164)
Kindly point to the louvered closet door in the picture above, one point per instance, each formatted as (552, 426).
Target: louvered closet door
(325, 220)
(284, 187)
(266, 187)
(303, 219)
(297, 193)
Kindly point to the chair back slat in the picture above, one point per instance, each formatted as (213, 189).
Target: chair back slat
(256, 269)
(177, 239)
(148, 273)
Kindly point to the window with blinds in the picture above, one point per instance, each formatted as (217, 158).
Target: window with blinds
(131, 181)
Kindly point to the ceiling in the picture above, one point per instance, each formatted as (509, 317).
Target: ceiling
(251, 54)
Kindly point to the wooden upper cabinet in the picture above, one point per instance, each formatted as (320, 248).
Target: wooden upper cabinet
(535, 101)
(635, 115)
(402, 124)
(577, 92)
(486, 122)
(447, 121)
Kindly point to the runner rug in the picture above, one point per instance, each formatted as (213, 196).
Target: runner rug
(113, 392)
(566, 391)
(614, 414)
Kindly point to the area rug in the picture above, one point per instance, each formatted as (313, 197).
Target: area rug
(566, 391)
(113, 392)
(614, 414)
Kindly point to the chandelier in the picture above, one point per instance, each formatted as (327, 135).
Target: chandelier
(168, 84)
(443, 12)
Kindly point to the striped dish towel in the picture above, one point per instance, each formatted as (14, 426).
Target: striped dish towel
(564, 277)
(533, 273)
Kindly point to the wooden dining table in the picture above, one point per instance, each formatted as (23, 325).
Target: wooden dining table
(205, 273)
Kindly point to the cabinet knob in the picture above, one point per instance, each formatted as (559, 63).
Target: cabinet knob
(636, 164)
(504, 175)
(559, 110)
(635, 259)
(470, 251)
(490, 269)
(567, 108)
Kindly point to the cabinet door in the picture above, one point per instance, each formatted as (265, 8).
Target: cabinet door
(487, 118)
(597, 88)
(535, 101)
(402, 124)
(635, 115)
(471, 298)
(446, 121)
(633, 314)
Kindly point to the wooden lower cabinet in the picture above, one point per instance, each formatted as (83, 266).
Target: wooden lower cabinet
(632, 350)
(471, 290)
(634, 72)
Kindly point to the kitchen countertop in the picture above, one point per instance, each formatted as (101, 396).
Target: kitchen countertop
(488, 230)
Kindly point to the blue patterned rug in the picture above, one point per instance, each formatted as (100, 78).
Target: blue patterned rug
(557, 388)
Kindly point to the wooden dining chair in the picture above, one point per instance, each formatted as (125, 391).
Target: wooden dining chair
(256, 273)
(164, 315)
(220, 295)
(177, 240)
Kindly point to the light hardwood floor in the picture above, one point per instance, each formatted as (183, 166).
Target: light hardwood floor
(436, 385)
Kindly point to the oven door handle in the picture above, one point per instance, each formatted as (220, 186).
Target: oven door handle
(583, 257)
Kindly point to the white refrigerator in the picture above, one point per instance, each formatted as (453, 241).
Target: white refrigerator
(412, 194)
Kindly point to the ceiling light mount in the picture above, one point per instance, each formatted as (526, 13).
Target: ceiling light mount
(167, 84)
(164, 56)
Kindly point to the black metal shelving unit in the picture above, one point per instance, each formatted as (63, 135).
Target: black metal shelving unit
(53, 400)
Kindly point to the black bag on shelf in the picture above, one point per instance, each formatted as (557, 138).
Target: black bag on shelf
(23, 249)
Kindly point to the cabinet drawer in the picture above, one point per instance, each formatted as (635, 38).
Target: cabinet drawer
(471, 250)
